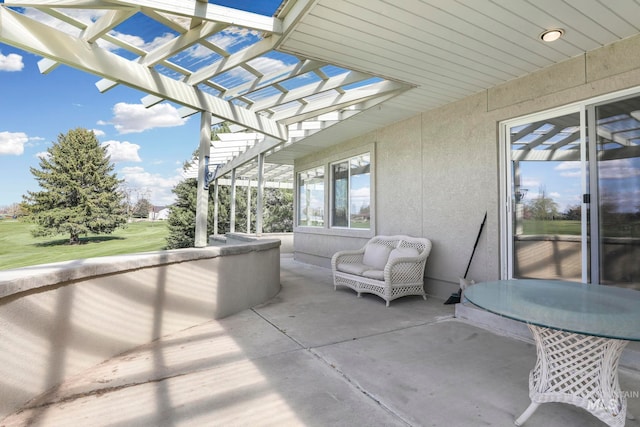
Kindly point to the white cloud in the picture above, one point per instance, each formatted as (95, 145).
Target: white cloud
(154, 187)
(618, 169)
(86, 16)
(11, 62)
(199, 51)
(265, 65)
(569, 169)
(89, 16)
(135, 118)
(98, 132)
(232, 36)
(530, 183)
(12, 143)
(139, 41)
(122, 151)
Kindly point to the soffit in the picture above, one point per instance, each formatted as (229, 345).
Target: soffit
(447, 50)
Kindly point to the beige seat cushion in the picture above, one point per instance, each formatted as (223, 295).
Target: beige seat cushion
(352, 268)
(374, 274)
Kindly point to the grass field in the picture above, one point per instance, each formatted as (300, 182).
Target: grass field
(18, 248)
(565, 227)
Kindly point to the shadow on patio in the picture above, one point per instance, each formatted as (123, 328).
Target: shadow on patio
(315, 356)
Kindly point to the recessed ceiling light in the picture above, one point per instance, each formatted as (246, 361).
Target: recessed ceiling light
(551, 35)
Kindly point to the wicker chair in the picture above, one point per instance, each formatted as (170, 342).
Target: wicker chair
(388, 266)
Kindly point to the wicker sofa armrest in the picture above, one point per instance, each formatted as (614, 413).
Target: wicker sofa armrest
(348, 256)
(408, 269)
(405, 269)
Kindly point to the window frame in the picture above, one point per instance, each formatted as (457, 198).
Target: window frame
(332, 194)
(326, 160)
(298, 209)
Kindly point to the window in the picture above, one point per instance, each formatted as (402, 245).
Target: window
(311, 197)
(351, 193)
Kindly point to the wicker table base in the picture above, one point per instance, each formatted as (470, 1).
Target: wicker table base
(578, 369)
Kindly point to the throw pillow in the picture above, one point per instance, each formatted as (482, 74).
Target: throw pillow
(376, 255)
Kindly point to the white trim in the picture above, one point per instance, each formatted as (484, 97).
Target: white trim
(584, 185)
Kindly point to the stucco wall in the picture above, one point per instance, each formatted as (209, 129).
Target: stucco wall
(436, 174)
(59, 319)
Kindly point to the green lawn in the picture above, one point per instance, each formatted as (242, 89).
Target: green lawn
(630, 229)
(565, 227)
(18, 248)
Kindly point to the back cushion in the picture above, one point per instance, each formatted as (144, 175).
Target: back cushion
(376, 255)
(403, 252)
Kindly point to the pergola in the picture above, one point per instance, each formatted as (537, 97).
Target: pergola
(271, 99)
(315, 74)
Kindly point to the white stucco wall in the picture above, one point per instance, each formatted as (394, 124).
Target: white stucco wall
(58, 319)
(436, 174)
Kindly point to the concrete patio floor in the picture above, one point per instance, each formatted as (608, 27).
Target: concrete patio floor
(317, 357)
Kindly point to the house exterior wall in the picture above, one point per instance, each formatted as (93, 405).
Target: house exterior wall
(436, 174)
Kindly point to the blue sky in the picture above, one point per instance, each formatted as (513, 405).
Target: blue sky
(147, 146)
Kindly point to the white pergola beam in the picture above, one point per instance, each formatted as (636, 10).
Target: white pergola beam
(271, 143)
(105, 24)
(186, 8)
(274, 77)
(181, 42)
(209, 12)
(75, 4)
(32, 36)
(310, 89)
(232, 61)
(172, 47)
(339, 100)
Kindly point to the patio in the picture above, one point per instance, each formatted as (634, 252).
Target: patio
(315, 356)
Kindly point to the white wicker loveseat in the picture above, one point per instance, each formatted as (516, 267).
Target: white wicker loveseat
(387, 266)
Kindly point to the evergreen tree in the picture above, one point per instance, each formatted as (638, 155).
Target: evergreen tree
(278, 215)
(182, 215)
(79, 191)
(142, 208)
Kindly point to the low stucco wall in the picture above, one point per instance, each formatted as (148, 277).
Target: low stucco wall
(286, 239)
(57, 320)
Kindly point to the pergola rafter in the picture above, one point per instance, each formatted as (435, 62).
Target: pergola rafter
(217, 61)
(59, 46)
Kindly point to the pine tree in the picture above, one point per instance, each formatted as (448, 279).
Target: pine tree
(182, 215)
(142, 208)
(278, 216)
(79, 189)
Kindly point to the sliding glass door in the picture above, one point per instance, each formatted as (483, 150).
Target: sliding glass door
(617, 180)
(547, 187)
(573, 203)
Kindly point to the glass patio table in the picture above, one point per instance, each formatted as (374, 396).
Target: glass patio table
(580, 331)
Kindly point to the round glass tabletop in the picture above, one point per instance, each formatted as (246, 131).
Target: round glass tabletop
(597, 310)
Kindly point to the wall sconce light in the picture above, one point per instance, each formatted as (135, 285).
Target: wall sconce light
(208, 175)
(551, 35)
